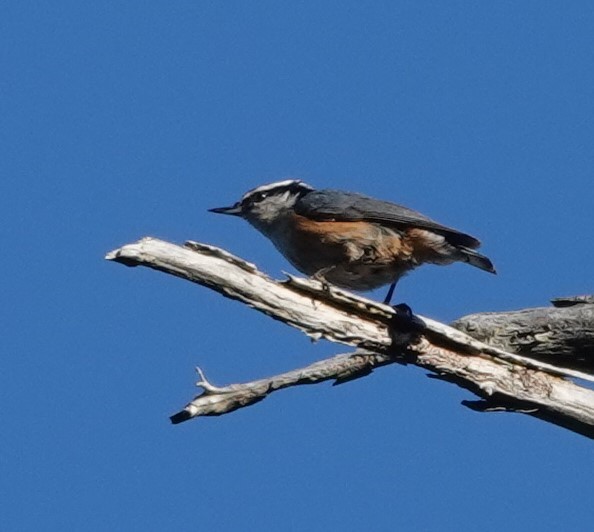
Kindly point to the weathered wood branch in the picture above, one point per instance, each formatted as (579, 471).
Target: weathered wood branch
(215, 400)
(559, 335)
(503, 380)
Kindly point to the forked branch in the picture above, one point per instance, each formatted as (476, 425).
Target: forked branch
(502, 379)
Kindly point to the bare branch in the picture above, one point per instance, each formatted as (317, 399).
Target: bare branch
(215, 401)
(560, 335)
(504, 380)
(290, 302)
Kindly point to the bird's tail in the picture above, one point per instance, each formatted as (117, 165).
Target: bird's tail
(476, 259)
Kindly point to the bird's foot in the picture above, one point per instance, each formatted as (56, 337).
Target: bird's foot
(403, 310)
(404, 317)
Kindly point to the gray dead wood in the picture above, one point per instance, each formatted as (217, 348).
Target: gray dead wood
(503, 380)
(561, 335)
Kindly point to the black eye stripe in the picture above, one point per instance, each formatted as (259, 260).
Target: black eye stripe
(257, 197)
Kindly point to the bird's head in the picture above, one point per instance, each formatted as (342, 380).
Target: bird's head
(266, 204)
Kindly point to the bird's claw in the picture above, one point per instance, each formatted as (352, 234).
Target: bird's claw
(404, 316)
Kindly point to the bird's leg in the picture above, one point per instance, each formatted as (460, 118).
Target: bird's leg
(320, 276)
(390, 293)
(402, 308)
(404, 313)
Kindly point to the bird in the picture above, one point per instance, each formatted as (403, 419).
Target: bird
(348, 239)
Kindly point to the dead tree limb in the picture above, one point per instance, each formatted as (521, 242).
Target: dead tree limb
(561, 335)
(503, 380)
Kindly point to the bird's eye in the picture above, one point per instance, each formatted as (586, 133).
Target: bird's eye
(259, 196)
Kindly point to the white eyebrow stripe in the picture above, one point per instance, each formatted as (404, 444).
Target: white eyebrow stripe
(273, 186)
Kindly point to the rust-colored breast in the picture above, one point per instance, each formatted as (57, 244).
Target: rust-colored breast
(339, 242)
(361, 255)
(319, 244)
(331, 230)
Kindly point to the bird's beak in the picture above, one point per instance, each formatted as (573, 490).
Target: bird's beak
(234, 210)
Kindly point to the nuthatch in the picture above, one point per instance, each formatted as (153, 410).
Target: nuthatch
(348, 239)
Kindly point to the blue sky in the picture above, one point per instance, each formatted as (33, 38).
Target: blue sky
(126, 119)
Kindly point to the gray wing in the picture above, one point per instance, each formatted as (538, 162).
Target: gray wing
(348, 206)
